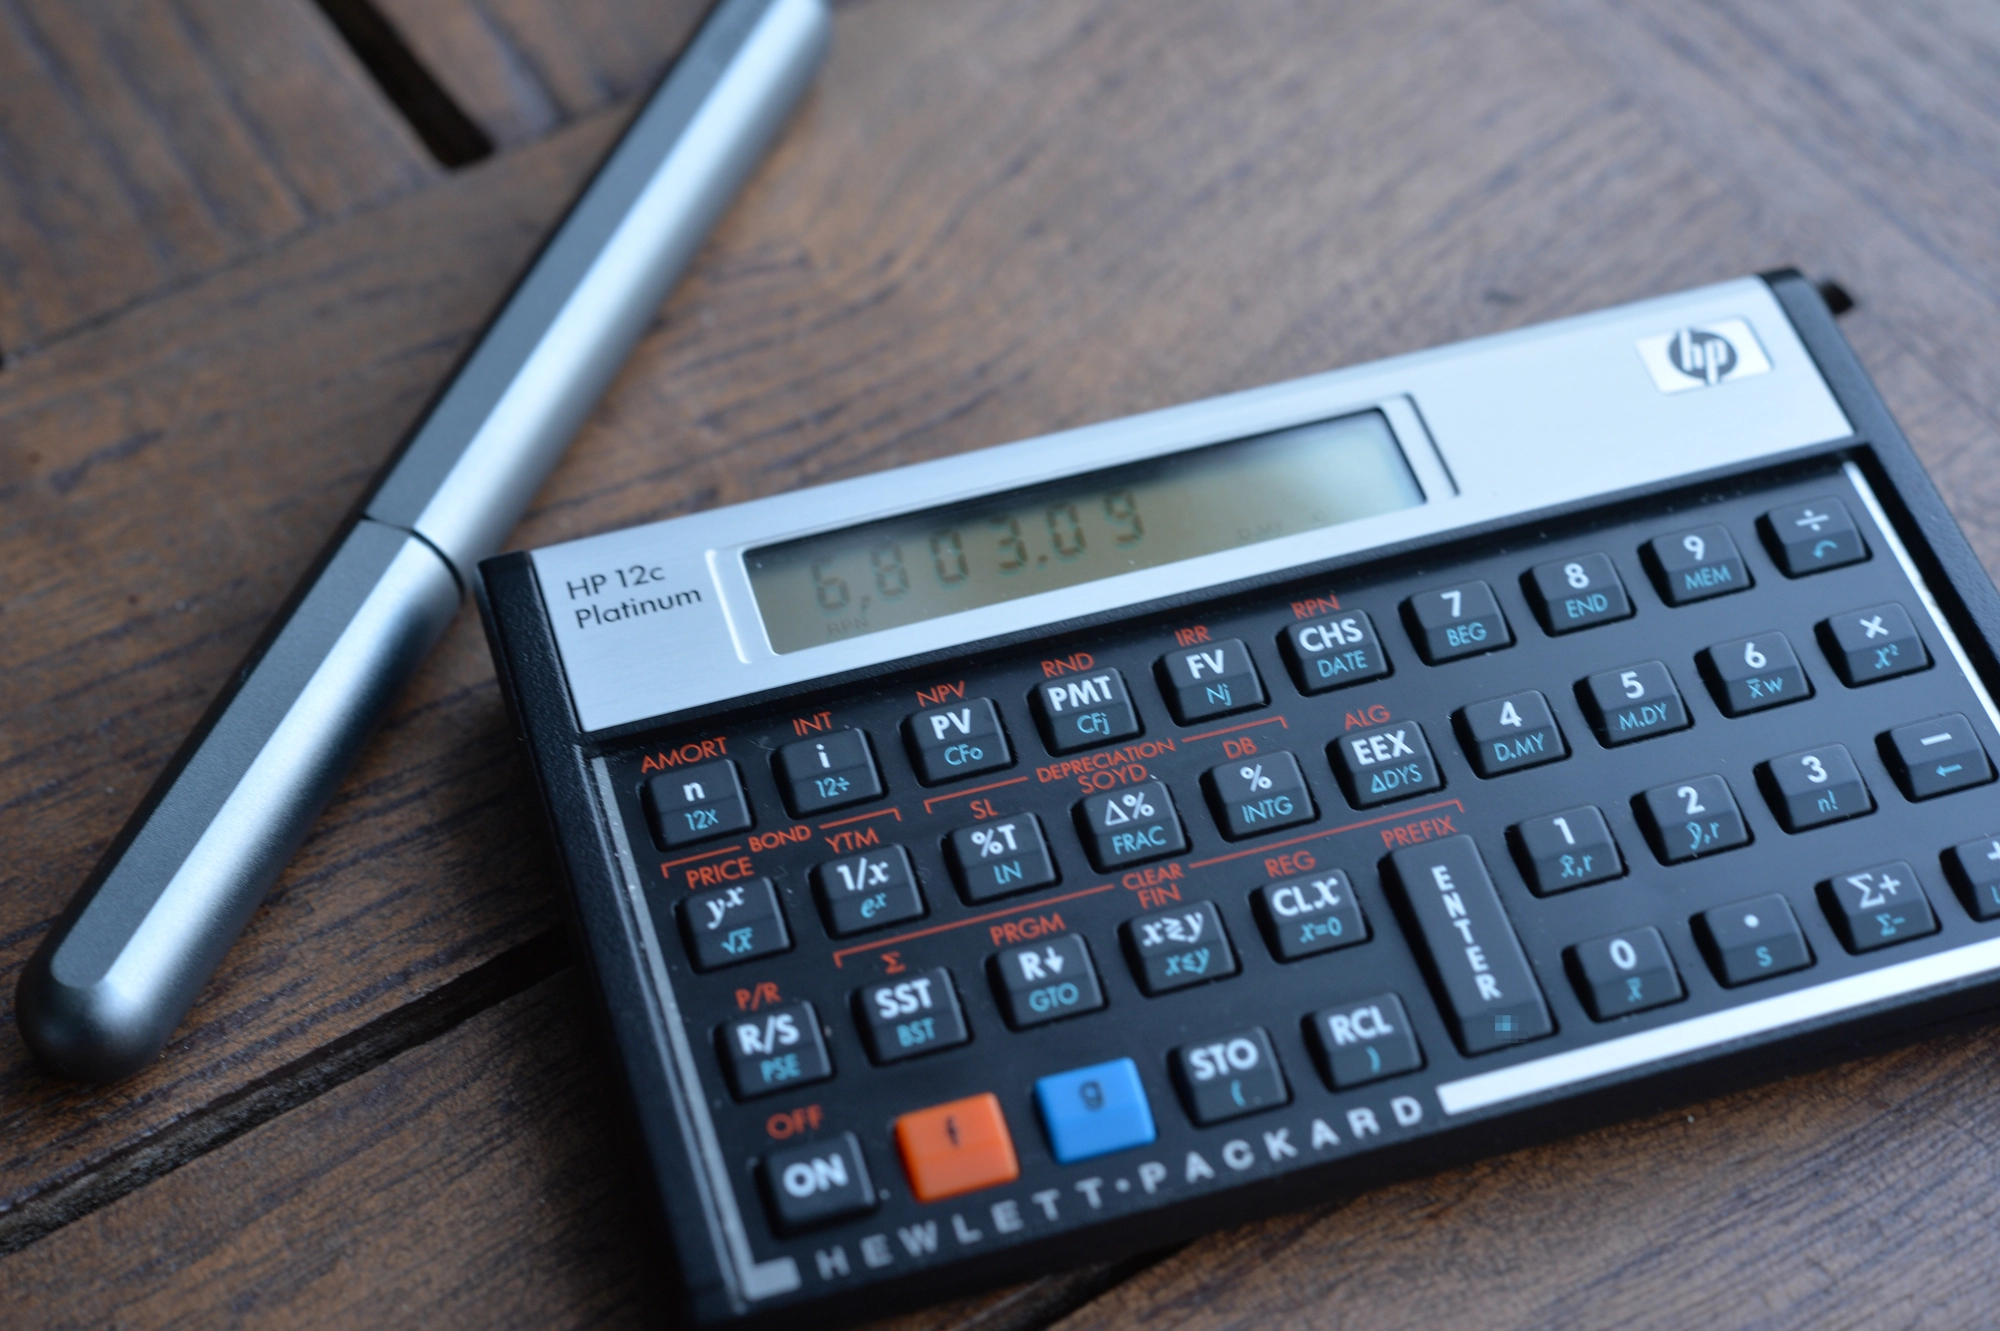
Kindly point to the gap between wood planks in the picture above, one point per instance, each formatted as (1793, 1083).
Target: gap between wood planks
(287, 1088)
(453, 137)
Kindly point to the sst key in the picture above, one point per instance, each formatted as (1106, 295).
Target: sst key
(1490, 994)
(910, 1015)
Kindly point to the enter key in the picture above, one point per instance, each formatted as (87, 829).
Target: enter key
(1476, 961)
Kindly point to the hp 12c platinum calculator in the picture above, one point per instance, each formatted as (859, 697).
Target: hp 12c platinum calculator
(1065, 848)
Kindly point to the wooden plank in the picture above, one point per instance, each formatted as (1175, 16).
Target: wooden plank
(144, 142)
(167, 477)
(481, 1180)
(522, 67)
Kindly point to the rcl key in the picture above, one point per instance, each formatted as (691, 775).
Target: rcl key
(1172, 949)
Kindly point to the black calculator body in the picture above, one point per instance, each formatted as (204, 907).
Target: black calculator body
(1064, 849)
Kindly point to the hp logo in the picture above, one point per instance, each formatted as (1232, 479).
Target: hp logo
(1703, 355)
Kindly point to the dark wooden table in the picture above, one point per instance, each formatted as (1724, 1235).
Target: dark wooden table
(232, 268)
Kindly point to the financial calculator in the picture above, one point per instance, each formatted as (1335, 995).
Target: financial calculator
(1065, 848)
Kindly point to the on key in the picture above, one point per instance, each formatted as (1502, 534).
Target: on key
(1490, 994)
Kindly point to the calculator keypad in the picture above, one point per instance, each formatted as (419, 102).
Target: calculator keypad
(1062, 931)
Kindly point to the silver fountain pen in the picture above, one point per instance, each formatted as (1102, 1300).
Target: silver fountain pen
(124, 962)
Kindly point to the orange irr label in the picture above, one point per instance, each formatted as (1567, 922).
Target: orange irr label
(957, 1147)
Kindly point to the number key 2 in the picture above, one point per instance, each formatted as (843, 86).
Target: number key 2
(1692, 818)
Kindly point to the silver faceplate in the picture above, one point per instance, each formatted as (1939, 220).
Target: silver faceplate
(1494, 427)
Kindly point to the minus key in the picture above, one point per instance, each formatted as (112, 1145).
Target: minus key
(1936, 757)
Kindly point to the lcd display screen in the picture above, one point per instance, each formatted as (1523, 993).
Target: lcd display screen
(1014, 543)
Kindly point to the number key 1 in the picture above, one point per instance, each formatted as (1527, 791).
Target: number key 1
(1692, 818)
(1573, 848)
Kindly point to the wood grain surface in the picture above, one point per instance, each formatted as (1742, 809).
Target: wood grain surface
(987, 221)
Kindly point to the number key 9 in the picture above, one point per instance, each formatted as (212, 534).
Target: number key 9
(1695, 565)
